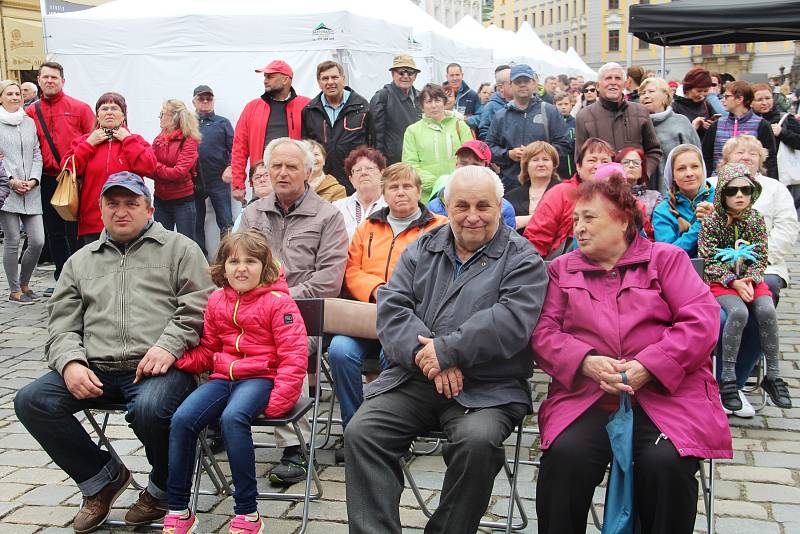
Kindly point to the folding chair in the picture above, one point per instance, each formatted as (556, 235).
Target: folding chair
(100, 430)
(313, 313)
(511, 473)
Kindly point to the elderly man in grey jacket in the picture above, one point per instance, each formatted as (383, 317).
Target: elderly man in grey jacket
(126, 307)
(455, 322)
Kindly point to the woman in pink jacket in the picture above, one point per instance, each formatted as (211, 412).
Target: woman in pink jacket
(254, 343)
(624, 304)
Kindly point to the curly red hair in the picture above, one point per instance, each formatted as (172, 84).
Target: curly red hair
(616, 190)
(644, 179)
(363, 151)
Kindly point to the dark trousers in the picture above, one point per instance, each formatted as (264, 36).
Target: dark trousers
(178, 215)
(46, 408)
(381, 432)
(220, 196)
(61, 237)
(665, 488)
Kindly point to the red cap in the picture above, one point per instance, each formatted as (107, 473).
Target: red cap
(278, 66)
(479, 148)
(673, 84)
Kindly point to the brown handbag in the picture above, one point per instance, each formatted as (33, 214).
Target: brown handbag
(66, 196)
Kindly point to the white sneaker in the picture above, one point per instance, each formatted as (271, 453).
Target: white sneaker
(747, 410)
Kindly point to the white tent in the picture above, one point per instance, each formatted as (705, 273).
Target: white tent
(578, 62)
(149, 50)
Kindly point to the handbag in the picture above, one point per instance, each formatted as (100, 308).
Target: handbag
(618, 517)
(788, 161)
(66, 196)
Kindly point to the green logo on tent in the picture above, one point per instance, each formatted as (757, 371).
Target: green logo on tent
(413, 44)
(322, 33)
(321, 26)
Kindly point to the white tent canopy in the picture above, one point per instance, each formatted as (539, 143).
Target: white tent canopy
(150, 50)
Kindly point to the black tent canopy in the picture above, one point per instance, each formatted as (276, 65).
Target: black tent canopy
(694, 22)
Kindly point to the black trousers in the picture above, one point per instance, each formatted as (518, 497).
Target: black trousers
(61, 237)
(381, 432)
(665, 488)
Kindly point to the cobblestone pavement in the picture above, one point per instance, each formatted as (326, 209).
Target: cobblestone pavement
(757, 492)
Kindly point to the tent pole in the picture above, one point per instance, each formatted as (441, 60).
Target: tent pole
(664, 62)
(43, 10)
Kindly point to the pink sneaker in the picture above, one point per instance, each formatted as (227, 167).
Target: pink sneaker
(240, 525)
(173, 524)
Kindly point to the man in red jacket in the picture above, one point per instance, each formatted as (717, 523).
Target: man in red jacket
(275, 114)
(65, 119)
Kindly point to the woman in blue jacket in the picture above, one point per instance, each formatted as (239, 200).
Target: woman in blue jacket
(678, 217)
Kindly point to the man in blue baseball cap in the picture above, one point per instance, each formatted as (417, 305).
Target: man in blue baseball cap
(125, 308)
(524, 120)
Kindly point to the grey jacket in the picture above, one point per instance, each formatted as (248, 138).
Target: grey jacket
(672, 129)
(481, 321)
(22, 160)
(109, 308)
(311, 242)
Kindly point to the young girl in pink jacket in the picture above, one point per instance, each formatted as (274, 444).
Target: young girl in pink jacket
(255, 346)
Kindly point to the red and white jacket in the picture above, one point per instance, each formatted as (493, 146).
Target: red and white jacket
(258, 334)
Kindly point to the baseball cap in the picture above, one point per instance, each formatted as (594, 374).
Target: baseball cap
(132, 182)
(518, 71)
(278, 66)
(202, 89)
(479, 148)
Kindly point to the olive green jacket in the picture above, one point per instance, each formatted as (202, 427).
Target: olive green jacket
(109, 308)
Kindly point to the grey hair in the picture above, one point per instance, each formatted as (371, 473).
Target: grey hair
(476, 171)
(305, 148)
(608, 67)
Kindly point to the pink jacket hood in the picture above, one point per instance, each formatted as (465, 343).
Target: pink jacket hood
(652, 307)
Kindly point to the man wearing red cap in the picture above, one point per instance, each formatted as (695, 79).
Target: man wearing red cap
(277, 113)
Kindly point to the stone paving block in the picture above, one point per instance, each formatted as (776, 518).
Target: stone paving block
(6, 507)
(322, 510)
(48, 495)
(759, 492)
(776, 435)
(18, 529)
(784, 446)
(326, 527)
(59, 516)
(735, 525)
(24, 458)
(777, 459)
(9, 491)
(740, 508)
(756, 474)
(783, 423)
(20, 441)
(786, 513)
(334, 473)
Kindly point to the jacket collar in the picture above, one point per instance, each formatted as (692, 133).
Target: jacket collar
(534, 102)
(611, 105)
(382, 215)
(292, 94)
(639, 251)
(156, 233)
(442, 241)
(308, 207)
(355, 99)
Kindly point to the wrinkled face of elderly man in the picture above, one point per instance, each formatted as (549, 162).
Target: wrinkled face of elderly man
(473, 207)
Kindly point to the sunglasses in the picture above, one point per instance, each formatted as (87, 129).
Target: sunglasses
(405, 72)
(732, 190)
(590, 90)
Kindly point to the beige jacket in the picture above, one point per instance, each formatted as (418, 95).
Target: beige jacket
(109, 308)
(311, 242)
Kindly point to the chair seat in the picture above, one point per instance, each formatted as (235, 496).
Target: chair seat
(300, 408)
(100, 406)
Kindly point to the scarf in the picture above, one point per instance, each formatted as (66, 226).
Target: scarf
(12, 119)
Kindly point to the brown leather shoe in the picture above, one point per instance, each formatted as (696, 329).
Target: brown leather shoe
(95, 509)
(146, 510)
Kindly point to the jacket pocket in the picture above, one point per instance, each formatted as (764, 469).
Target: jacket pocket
(355, 121)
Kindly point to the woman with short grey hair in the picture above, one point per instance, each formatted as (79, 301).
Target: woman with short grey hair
(22, 161)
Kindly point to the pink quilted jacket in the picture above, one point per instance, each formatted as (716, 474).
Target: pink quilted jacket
(259, 334)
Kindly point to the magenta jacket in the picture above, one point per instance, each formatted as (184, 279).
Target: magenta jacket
(652, 307)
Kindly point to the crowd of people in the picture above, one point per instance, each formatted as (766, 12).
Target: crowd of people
(439, 205)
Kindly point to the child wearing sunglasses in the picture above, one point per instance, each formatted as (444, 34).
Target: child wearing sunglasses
(733, 242)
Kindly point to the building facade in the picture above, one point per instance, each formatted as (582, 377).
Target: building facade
(449, 12)
(598, 31)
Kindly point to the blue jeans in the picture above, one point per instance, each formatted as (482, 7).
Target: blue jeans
(750, 350)
(346, 354)
(236, 404)
(178, 215)
(46, 408)
(220, 194)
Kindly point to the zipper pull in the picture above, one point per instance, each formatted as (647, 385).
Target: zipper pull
(660, 437)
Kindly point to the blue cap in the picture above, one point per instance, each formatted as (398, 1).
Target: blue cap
(132, 182)
(517, 71)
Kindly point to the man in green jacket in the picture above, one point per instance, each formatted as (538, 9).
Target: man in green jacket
(125, 308)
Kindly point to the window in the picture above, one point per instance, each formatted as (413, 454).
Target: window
(643, 45)
(613, 40)
(583, 44)
(707, 50)
(575, 42)
(613, 4)
(551, 15)
(644, 1)
(559, 13)
(541, 17)
(740, 48)
(575, 7)
(566, 12)
(566, 44)
(516, 23)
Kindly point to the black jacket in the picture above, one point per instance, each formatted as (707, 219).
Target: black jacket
(691, 110)
(353, 127)
(215, 148)
(393, 112)
(790, 128)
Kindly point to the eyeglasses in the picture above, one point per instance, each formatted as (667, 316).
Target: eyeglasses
(364, 170)
(590, 90)
(714, 85)
(205, 98)
(261, 177)
(631, 162)
(405, 72)
(728, 95)
(732, 190)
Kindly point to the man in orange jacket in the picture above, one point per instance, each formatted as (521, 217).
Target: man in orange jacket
(274, 114)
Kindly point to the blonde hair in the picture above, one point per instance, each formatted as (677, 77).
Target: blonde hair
(683, 224)
(183, 119)
(533, 149)
(744, 141)
(400, 171)
(659, 84)
(5, 84)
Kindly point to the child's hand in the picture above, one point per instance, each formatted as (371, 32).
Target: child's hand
(703, 210)
(744, 287)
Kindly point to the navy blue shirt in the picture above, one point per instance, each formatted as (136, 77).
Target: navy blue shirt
(215, 146)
